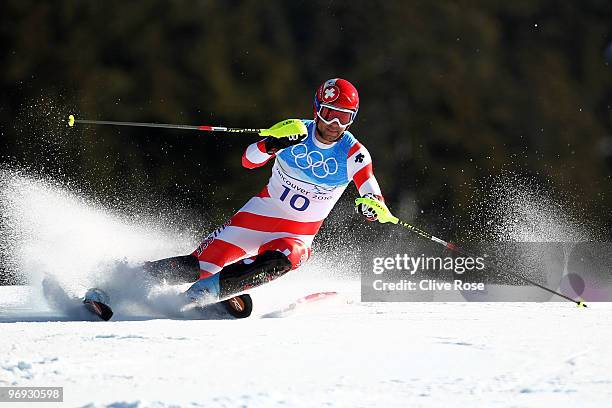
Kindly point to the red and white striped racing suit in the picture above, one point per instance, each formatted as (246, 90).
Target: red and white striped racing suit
(307, 180)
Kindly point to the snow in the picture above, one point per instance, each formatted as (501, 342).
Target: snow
(337, 352)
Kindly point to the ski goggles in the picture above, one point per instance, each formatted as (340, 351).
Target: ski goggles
(342, 117)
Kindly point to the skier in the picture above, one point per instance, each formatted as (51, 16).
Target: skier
(272, 233)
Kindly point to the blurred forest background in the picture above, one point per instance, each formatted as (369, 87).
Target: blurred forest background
(451, 93)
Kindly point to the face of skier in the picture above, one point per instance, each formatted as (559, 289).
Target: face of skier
(328, 134)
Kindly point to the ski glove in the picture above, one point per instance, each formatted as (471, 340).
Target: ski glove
(274, 144)
(366, 210)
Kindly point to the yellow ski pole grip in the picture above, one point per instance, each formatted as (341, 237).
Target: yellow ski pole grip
(285, 128)
(381, 210)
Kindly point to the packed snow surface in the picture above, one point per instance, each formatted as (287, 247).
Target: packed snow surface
(336, 352)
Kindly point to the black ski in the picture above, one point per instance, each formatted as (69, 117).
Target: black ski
(101, 310)
(239, 306)
(96, 301)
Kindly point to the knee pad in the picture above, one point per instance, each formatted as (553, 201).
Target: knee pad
(293, 248)
(252, 272)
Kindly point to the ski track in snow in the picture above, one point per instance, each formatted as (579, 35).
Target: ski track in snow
(337, 353)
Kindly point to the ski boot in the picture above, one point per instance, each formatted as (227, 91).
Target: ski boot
(222, 287)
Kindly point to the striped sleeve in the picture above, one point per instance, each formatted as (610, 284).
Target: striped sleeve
(255, 155)
(359, 166)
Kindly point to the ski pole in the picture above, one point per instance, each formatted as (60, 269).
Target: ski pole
(285, 128)
(384, 216)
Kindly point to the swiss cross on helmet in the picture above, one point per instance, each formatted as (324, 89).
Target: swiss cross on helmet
(336, 100)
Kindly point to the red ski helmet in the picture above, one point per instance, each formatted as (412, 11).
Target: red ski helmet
(336, 99)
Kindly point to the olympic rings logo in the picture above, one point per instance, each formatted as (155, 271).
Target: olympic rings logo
(314, 160)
